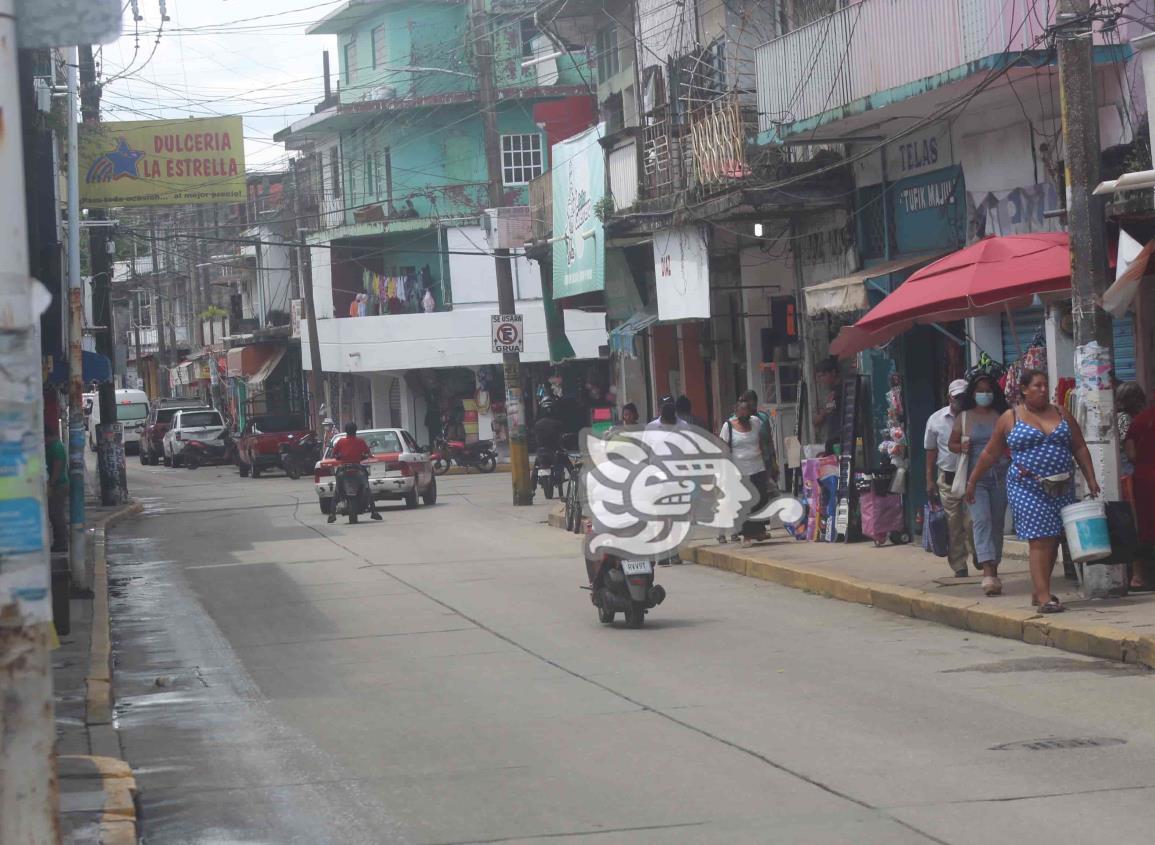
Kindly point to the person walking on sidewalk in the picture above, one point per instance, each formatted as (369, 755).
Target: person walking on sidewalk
(1044, 441)
(56, 468)
(743, 434)
(973, 430)
(941, 463)
(767, 432)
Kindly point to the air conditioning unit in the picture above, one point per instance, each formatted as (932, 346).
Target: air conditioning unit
(507, 228)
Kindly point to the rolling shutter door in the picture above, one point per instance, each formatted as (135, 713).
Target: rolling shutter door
(1124, 343)
(1027, 321)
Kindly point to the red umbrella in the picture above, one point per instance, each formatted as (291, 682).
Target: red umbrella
(987, 276)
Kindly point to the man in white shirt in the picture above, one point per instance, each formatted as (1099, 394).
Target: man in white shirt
(668, 418)
(940, 468)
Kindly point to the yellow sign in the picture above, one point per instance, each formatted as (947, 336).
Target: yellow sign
(162, 162)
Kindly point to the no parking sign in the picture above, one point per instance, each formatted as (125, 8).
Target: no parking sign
(508, 333)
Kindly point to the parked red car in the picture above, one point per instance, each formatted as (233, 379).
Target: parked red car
(156, 427)
(258, 447)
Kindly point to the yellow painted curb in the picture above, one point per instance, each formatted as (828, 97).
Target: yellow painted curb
(98, 684)
(118, 812)
(1029, 626)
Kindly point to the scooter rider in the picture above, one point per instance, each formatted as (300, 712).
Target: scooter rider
(351, 449)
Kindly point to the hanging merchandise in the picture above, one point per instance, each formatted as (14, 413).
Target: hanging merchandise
(986, 366)
(1035, 358)
(428, 303)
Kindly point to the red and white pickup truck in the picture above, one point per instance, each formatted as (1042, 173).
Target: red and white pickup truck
(258, 447)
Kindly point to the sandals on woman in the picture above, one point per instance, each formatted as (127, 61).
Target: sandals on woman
(992, 586)
(1053, 605)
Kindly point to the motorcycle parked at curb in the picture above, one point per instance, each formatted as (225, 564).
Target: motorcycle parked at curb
(623, 585)
(298, 457)
(199, 453)
(353, 483)
(480, 455)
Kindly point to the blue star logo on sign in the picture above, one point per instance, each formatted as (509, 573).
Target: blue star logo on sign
(118, 164)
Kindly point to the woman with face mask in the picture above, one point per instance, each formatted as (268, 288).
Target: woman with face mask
(984, 403)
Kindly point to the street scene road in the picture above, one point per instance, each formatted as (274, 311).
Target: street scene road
(439, 677)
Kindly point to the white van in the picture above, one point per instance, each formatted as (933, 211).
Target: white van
(131, 412)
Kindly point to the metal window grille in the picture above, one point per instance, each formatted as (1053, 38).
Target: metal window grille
(521, 158)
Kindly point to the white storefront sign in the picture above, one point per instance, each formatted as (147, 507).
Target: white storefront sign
(508, 333)
(682, 270)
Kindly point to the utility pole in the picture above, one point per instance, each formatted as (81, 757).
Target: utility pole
(1093, 331)
(77, 436)
(100, 263)
(28, 785)
(314, 375)
(506, 302)
(158, 317)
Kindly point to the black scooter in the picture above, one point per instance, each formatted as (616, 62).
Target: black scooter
(199, 453)
(353, 489)
(623, 585)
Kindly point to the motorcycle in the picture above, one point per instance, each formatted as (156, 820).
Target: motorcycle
(300, 456)
(480, 455)
(623, 585)
(353, 487)
(552, 468)
(199, 453)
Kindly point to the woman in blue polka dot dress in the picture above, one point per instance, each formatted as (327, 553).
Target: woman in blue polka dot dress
(1044, 440)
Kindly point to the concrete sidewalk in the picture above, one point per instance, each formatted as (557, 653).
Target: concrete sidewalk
(97, 789)
(909, 581)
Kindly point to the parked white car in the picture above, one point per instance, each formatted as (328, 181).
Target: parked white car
(195, 424)
(398, 469)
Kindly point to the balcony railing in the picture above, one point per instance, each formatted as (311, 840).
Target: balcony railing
(875, 46)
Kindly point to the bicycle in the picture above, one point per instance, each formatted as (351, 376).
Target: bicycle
(573, 500)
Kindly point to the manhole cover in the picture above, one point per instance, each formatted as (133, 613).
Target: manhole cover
(1054, 744)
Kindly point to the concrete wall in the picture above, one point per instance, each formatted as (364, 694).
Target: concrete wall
(321, 259)
(457, 338)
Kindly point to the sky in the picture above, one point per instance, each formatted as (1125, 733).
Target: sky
(220, 57)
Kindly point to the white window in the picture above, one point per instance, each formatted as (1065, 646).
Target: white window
(521, 158)
(142, 308)
(350, 61)
(379, 47)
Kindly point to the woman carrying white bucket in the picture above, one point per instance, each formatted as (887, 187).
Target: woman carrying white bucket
(1044, 441)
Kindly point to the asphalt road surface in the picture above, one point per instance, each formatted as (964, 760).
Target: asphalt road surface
(439, 677)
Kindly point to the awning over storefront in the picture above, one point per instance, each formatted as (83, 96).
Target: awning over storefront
(986, 277)
(847, 295)
(622, 337)
(247, 361)
(257, 380)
